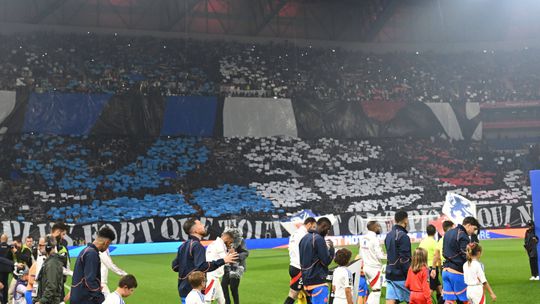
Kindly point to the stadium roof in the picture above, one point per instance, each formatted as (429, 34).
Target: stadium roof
(334, 20)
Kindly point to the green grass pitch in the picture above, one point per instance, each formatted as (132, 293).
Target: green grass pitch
(266, 280)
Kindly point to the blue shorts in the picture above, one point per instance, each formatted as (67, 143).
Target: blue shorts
(183, 300)
(362, 287)
(395, 290)
(454, 287)
(318, 295)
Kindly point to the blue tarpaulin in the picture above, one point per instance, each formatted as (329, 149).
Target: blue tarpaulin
(65, 114)
(189, 115)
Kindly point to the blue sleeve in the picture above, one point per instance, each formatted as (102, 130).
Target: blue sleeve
(175, 263)
(199, 259)
(92, 269)
(405, 253)
(463, 242)
(325, 255)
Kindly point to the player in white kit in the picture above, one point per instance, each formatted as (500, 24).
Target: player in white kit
(474, 276)
(372, 254)
(106, 264)
(296, 284)
(215, 251)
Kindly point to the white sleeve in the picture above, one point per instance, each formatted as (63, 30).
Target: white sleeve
(108, 262)
(21, 289)
(346, 280)
(110, 299)
(378, 249)
(480, 273)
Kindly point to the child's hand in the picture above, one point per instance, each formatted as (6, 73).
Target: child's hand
(493, 297)
(433, 273)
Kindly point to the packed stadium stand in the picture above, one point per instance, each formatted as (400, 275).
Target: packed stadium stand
(364, 134)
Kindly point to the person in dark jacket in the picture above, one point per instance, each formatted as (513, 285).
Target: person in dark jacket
(455, 254)
(191, 257)
(86, 288)
(234, 272)
(5, 252)
(315, 256)
(51, 282)
(531, 241)
(398, 249)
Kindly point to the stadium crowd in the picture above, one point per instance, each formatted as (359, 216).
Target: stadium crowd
(124, 179)
(113, 63)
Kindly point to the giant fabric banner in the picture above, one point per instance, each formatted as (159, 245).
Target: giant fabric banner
(7, 104)
(258, 117)
(68, 114)
(188, 115)
(167, 229)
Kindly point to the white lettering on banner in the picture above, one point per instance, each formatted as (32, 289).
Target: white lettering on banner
(165, 233)
(355, 224)
(67, 237)
(249, 229)
(258, 229)
(484, 235)
(484, 217)
(335, 227)
(277, 227)
(89, 232)
(524, 214)
(146, 230)
(127, 233)
(41, 228)
(497, 215)
(184, 234)
(508, 215)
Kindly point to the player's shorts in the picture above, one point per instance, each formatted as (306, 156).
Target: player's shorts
(296, 278)
(454, 287)
(213, 289)
(434, 283)
(363, 287)
(374, 277)
(476, 294)
(395, 290)
(318, 294)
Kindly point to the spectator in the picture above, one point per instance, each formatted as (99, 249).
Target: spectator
(86, 288)
(5, 252)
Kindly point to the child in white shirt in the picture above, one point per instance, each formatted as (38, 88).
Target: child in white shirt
(197, 280)
(126, 287)
(342, 280)
(475, 278)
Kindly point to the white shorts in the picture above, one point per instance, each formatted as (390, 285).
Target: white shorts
(213, 291)
(475, 294)
(374, 277)
(340, 301)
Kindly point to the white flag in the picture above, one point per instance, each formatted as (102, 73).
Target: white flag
(457, 207)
